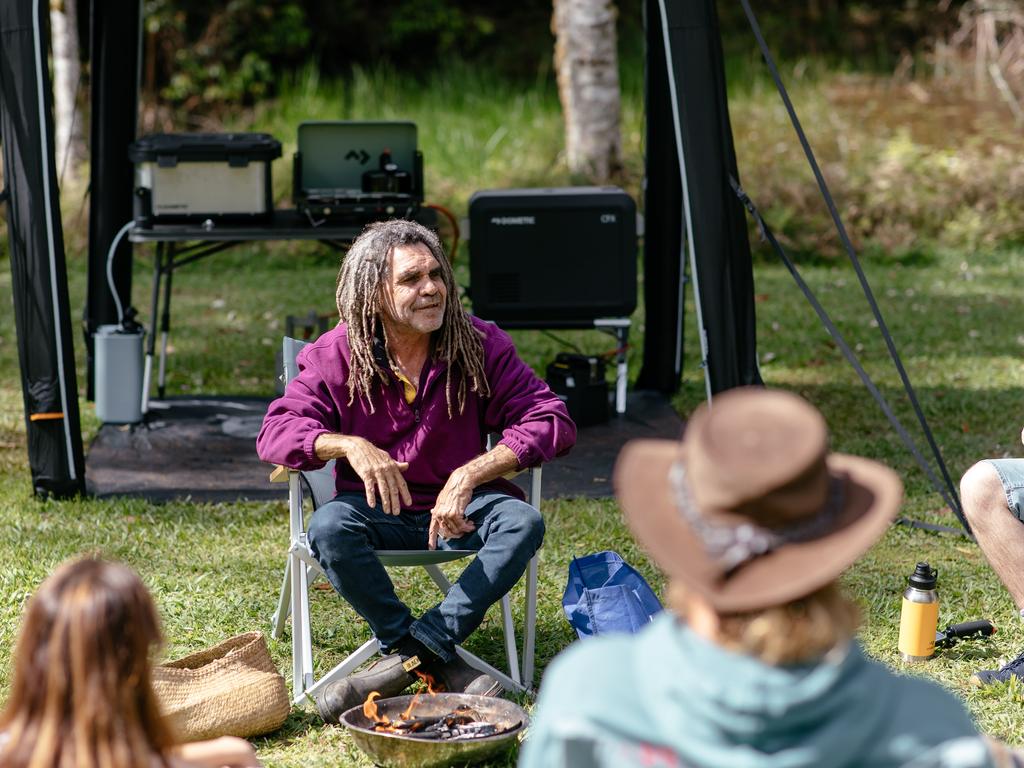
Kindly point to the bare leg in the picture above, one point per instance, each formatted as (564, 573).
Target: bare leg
(999, 533)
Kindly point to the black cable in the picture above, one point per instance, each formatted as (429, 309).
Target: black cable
(932, 527)
(848, 246)
(848, 353)
(563, 342)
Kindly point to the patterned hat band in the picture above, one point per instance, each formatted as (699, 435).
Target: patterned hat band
(732, 545)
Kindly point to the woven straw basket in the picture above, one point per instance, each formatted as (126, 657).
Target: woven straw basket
(232, 689)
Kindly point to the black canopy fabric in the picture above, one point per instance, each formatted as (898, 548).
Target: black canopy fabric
(690, 146)
(664, 253)
(36, 240)
(114, 63)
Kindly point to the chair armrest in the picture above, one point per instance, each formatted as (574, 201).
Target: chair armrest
(280, 474)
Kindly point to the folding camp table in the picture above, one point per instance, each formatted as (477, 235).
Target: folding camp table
(181, 244)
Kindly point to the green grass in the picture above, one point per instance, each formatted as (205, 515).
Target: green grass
(952, 307)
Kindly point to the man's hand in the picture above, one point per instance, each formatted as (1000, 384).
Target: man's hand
(448, 517)
(381, 475)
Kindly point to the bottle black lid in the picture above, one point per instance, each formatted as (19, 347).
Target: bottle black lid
(924, 577)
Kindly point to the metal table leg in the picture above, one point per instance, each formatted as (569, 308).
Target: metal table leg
(621, 369)
(165, 323)
(619, 328)
(154, 308)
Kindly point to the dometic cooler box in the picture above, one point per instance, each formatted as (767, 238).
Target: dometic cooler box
(552, 257)
(185, 176)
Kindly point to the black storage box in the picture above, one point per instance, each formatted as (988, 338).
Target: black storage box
(548, 258)
(189, 176)
(580, 381)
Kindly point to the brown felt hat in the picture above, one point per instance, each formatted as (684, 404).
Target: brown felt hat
(751, 509)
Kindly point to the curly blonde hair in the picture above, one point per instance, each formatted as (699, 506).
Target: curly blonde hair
(801, 630)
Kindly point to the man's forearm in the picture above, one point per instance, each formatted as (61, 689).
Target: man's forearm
(331, 445)
(497, 462)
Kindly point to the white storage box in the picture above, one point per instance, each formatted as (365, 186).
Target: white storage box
(187, 176)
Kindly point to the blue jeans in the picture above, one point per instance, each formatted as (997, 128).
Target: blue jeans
(344, 533)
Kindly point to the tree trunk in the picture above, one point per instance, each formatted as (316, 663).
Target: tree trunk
(66, 68)
(587, 64)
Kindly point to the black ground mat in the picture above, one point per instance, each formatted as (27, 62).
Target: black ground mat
(204, 449)
(587, 469)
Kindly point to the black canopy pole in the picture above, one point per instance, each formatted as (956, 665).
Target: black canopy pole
(36, 239)
(115, 42)
(716, 227)
(664, 256)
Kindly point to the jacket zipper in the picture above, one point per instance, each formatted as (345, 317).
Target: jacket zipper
(424, 375)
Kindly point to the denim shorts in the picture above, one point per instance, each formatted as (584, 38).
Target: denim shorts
(1011, 475)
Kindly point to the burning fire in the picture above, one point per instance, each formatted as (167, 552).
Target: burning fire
(462, 722)
(370, 710)
(382, 722)
(432, 685)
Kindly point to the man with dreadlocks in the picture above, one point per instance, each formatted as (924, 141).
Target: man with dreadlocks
(403, 394)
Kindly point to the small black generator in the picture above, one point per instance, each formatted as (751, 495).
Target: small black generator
(580, 381)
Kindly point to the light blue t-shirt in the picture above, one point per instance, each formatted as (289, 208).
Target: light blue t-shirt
(667, 698)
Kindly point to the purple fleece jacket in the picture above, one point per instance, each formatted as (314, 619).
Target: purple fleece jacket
(531, 419)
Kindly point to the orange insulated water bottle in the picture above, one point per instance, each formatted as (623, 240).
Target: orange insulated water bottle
(919, 618)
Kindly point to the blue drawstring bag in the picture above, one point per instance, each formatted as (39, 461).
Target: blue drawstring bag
(605, 594)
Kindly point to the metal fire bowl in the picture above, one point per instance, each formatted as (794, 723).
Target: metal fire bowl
(393, 750)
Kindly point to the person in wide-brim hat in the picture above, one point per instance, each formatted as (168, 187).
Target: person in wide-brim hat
(751, 509)
(752, 519)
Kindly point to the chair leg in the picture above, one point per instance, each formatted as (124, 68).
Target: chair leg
(530, 623)
(511, 651)
(439, 578)
(530, 618)
(353, 660)
(277, 621)
(477, 663)
(302, 644)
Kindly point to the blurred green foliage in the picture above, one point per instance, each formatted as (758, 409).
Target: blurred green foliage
(913, 166)
(198, 53)
(861, 34)
(201, 54)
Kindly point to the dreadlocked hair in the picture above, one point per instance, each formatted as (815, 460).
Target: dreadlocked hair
(364, 270)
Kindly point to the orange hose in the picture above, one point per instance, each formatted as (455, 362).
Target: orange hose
(455, 228)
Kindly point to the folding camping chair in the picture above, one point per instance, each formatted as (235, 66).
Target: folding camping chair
(302, 569)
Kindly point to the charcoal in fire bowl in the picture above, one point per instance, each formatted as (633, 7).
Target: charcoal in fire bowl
(398, 750)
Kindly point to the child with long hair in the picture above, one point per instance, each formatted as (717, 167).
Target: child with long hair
(82, 695)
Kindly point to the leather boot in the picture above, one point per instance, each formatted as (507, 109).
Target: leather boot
(456, 676)
(387, 675)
